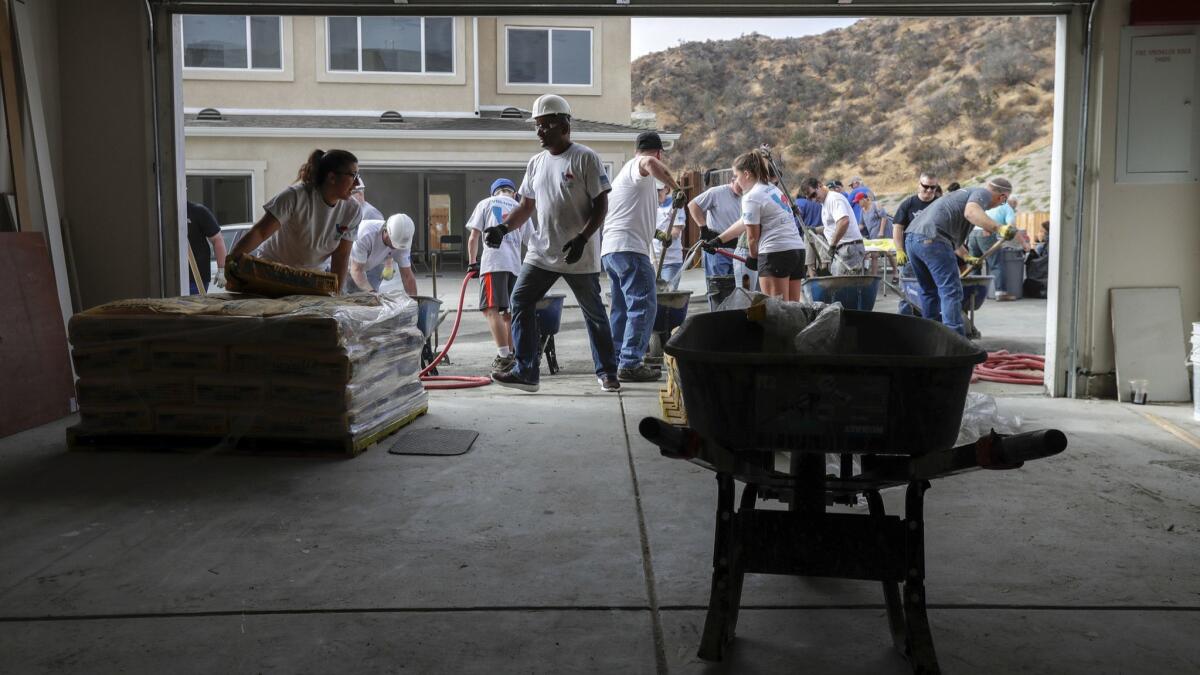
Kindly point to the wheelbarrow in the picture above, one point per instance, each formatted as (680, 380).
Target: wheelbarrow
(887, 404)
(672, 310)
(854, 291)
(548, 313)
(976, 288)
(429, 317)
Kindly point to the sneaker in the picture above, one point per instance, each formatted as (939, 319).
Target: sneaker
(639, 373)
(503, 363)
(510, 379)
(608, 382)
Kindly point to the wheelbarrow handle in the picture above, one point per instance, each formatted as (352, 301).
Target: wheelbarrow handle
(733, 256)
(1007, 452)
(674, 442)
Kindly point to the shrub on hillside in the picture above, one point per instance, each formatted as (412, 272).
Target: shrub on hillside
(945, 159)
(1006, 64)
(1017, 132)
(940, 110)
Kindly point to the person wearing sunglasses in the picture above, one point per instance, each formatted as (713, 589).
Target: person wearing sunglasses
(927, 186)
(847, 252)
(311, 221)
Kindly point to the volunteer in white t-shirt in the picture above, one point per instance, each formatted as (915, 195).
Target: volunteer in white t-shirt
(567, 186)
(673, 261)
(310, 221)
(379, 242)
(498, 267)
(625, 251)
(776, 249)
(840, 228)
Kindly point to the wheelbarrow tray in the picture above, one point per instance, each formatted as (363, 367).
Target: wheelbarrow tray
(854, 291)
(895, 385)
(975, 290)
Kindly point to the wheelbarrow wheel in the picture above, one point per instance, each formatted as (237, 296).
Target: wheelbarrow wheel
(427, 357)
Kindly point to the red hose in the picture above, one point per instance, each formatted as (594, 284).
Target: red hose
(453, 381)
(734, 256)
(1009, 368)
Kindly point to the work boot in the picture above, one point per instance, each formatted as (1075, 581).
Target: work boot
(509, 378)
(503, 363)
(608, 382)
(639, 373)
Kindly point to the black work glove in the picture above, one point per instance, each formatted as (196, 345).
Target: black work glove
(752, 264)
(574, 248)
(494, 236)
(708, 234)
(678, 199)
(473, 268)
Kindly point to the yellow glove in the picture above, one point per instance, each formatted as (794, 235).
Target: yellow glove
(901, 258)
(389, 270)
(1007, 232)
(972, 260)
(663, 236)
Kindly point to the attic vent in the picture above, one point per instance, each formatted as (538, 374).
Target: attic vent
(391, 117)
(209, 115)
(511, 114)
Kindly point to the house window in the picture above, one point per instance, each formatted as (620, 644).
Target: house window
(390, 44)
(229, 197)
(549, 56)
(235, 42)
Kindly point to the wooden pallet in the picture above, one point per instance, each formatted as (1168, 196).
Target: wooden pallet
(347, 446)
(670, 397)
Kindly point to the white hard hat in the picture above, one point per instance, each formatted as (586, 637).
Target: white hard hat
(400, 230)
(550, 104)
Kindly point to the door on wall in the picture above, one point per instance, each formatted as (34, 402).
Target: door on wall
(439, 219)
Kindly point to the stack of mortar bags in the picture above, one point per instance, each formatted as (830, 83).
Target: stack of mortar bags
(231, 365)
(790, 327)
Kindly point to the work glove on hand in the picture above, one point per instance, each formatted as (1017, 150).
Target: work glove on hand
(972, 260)
(678, 199)
(1007, 232)
(219, 280)
(473, 268)
(494, 236)
(389, 271)
(752, 264)
(901, 258)
(708, 234)
(663, 236)
(574, 248)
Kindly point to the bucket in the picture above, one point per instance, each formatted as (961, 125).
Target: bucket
(672, 310)
(719, 288)
(854, 291)
(427, 313)
(549, 313)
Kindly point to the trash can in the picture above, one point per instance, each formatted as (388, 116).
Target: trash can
(1012, 260)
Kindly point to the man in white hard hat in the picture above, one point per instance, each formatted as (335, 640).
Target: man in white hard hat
(629, 230)
(567, 187)
(378, 242)
(497, 267)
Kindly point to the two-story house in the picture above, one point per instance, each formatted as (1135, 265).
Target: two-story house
(435, 108)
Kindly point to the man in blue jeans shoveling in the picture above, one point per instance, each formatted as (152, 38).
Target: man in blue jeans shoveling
(567, 186)
(940, 230)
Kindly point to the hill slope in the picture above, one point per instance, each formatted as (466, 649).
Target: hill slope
(884, 98)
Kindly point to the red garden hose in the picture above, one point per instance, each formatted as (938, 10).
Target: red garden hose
(453, 381)
(732, 256)
(1009, 368)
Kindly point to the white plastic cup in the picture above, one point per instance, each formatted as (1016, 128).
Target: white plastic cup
(1139, 391)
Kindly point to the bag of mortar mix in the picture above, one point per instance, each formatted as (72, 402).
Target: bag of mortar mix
(821, 335)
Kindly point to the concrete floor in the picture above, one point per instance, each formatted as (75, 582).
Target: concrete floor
(564, 543)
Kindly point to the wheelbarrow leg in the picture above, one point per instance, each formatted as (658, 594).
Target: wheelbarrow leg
(891, 589)
(728, 574)
(551, 354)
(919, 639)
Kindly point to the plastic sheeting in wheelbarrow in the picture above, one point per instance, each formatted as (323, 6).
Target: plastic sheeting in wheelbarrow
(894, 384)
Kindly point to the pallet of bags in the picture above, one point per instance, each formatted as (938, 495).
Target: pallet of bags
(299, 374)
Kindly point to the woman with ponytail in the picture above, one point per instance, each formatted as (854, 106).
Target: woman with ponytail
(311, 221)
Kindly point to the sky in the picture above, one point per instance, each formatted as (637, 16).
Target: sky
(656, 34)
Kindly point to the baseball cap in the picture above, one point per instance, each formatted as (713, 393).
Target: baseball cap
(502, 183)
(861, 196)
(649, 140)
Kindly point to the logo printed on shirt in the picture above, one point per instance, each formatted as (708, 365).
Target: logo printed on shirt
(568, 176)
(341, 229)
(779, 200)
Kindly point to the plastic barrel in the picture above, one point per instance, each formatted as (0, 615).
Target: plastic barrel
(549, 313)
(853, 291)
(720, 286)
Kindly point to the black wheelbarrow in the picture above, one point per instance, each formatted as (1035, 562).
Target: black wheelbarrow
(887, 404)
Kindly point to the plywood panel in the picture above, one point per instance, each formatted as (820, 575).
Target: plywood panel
(1148, 338)
(36, 385)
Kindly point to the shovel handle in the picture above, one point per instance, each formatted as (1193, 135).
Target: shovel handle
(986, 254)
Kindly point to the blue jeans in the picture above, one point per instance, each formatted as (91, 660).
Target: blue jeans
(532, 285)
(634, 303)
(936, 268)
(716, 264)
(671, 270)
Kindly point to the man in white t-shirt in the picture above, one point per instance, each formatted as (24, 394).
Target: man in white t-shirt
(568, 188)
(498, 267)
(672, 263)
(840, 228)
(375, 246)
(625, 252)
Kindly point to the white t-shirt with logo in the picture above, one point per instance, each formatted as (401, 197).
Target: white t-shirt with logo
(835, 208)
(370, 251)
(629, 225)
(309, 229)
(675, 250)
(507, 258)
(764, 205)
(563, 187)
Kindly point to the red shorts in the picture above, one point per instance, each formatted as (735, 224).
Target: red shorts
(495, 289)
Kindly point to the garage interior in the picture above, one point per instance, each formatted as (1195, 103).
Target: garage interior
(564, 541)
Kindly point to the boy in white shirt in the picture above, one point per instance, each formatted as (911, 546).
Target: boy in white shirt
(497, 267)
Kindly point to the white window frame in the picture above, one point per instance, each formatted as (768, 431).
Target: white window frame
(254, 169)
(550, 56)
(422, 72)
(284, 73)
(324, 74)
(599, 73)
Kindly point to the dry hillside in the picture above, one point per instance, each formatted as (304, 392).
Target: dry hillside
(883, 98)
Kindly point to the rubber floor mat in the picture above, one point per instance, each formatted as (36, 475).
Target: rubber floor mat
(433, 441)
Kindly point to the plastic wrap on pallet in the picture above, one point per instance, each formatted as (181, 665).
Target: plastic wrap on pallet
(981, 415)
